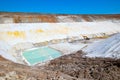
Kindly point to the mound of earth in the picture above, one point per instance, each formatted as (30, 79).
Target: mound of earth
(86, 68)
(15, 71)
(68, 67)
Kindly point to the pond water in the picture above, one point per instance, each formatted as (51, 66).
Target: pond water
(42, 54)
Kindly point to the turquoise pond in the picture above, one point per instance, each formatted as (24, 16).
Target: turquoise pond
(42, 54)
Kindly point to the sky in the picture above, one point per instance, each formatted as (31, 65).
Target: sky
(62, 6)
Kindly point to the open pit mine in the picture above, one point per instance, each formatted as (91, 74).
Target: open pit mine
(59, 47)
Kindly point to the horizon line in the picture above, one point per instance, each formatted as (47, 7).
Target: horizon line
(53, 13)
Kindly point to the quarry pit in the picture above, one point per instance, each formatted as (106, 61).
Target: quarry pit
(68, 42)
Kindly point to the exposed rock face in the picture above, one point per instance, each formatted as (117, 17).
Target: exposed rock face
(52, 18)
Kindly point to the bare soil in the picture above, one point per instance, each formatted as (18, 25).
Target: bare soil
(15, 71)
(68, 67)
(86, 68)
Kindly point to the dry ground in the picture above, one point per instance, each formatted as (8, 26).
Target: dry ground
(88, 68)
(68, 67)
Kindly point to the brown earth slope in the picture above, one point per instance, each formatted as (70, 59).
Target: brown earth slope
(88, 68)
(14, 71)
(68, 67)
